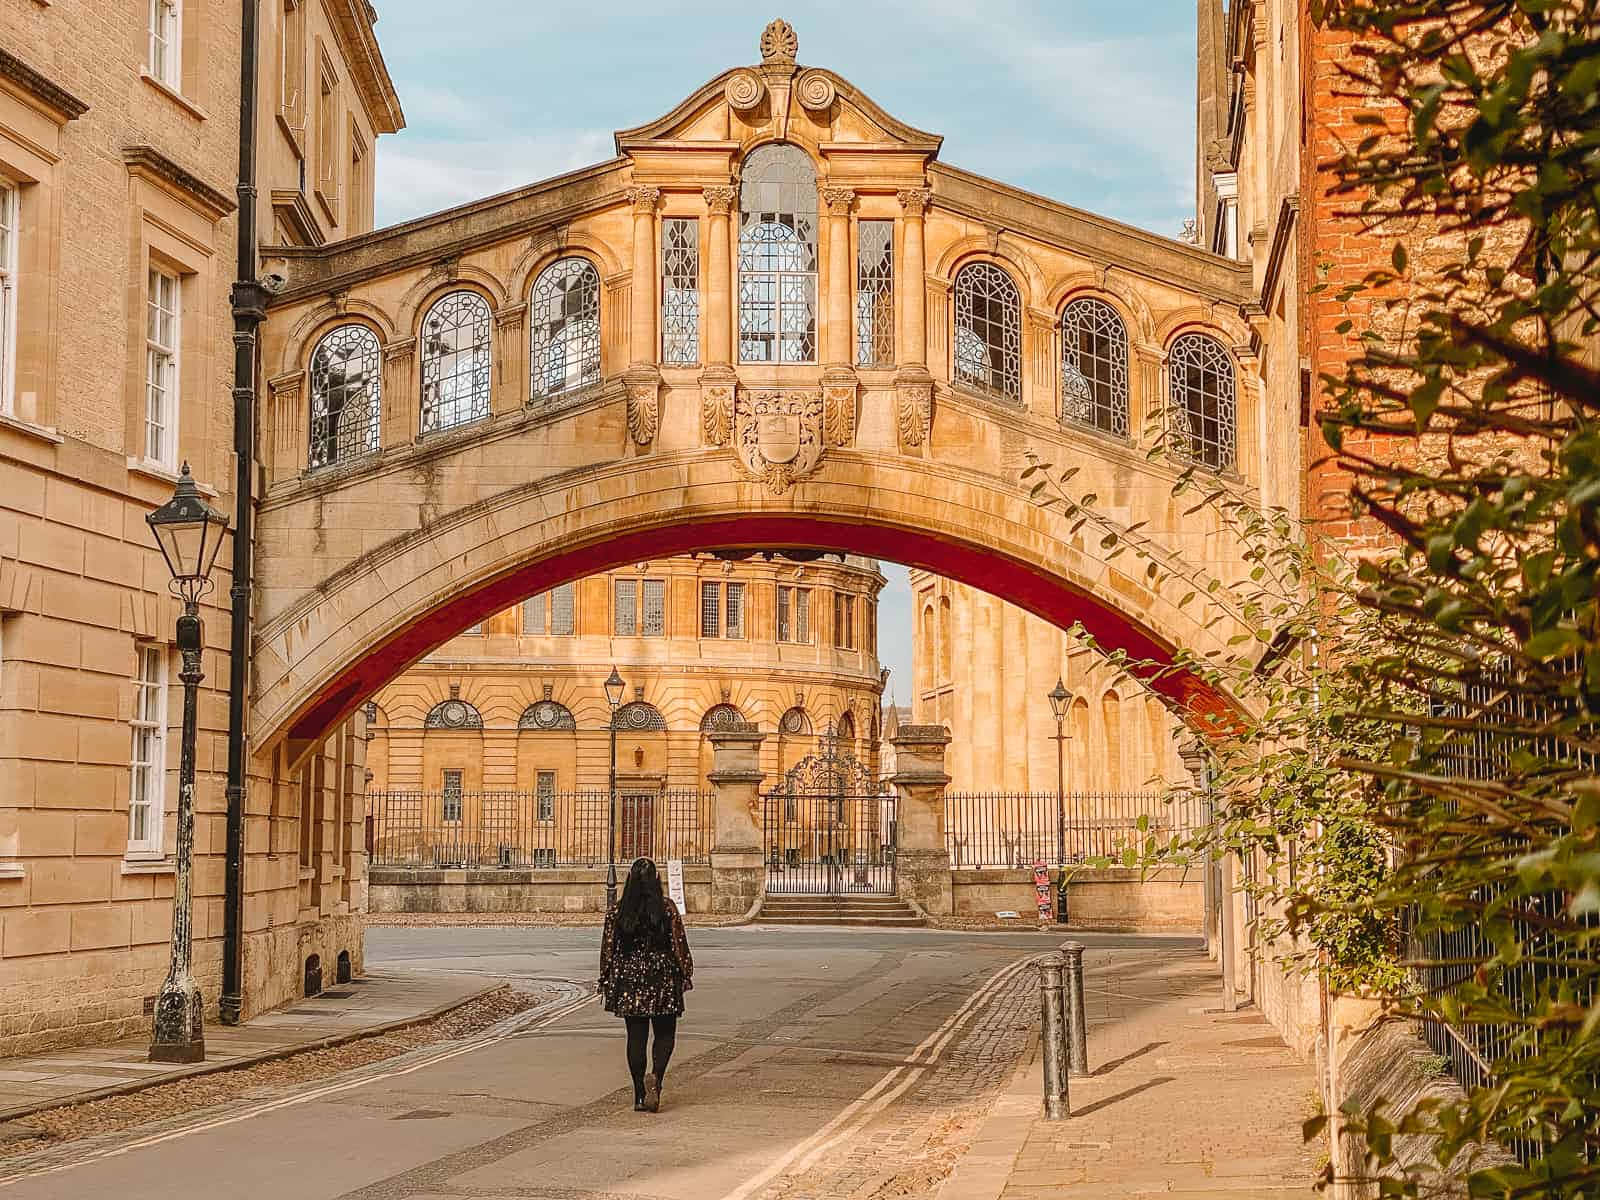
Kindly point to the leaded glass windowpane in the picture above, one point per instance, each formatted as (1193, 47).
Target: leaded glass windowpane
(988, 325)
(802, 614)
(455, 361)
(450, 799)
(533, 611)
(545, 793)
(564, 316)
(625, 609)
(1202, 417)
(1094, 367)
(710, 609)
(875, 293)
(680, 290)
(785, 631)
(778, 257)
(733, 616)
(563, 607)
(654, 620)
(346, 396)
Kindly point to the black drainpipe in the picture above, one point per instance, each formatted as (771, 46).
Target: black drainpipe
(249, 310)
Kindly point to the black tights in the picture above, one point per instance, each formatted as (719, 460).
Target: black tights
(666, 1037)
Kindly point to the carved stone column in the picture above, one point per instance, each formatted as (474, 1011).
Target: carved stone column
(290, 422)
(737, 865)
(643, 376)
(836, 202)
(922, 861)
(913, 383)
(718, 380)
(1146, 401)
(642, 346)
(401, 418)
(913, 292)
(719, 277)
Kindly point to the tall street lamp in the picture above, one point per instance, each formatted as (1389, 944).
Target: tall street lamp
(189, 532)
(614, 688)
(1060, 701)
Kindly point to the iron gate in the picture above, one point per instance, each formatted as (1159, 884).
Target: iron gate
(830, 829)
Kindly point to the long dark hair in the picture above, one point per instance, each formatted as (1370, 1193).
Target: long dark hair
(642, 911)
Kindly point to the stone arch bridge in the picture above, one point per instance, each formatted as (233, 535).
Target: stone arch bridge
(774, 318)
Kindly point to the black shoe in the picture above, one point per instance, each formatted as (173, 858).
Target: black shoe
(638, 1104)
(652, 1094)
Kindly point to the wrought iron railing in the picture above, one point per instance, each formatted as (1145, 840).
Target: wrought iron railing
(1018, 829)
(522, 829)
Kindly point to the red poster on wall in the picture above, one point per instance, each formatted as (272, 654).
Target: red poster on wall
(1041, 889)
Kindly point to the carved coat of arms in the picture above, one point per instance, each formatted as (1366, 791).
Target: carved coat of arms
(778, 435)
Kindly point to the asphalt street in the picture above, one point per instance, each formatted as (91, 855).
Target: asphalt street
(794, 1039)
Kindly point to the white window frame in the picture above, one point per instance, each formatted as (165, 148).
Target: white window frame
(147, 783)
(166, 42)
(163, 366)
(794, 615)
(10, 219)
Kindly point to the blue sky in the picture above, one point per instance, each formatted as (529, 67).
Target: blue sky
(1086, 102)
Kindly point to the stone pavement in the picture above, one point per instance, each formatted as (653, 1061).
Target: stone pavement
(383, 999)
(1182, 1100)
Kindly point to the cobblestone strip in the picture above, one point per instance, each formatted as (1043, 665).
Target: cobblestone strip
(908, 1149)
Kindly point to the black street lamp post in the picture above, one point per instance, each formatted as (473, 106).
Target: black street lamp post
(189, 532)
(614, 688)
(1060, 701)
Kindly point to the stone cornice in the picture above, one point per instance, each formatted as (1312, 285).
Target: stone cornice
(352, 24)
(147, 160)
(1288, 212)
(1100, 239)
(63, 105)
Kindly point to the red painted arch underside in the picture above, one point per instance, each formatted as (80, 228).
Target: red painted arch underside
(1028, 586)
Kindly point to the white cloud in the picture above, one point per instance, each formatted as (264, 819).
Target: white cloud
(417, 176)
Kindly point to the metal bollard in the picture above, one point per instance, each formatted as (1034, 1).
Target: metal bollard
(1054, 1036)
(1076, 1022)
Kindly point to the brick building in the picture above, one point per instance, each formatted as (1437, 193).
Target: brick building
(119, 162)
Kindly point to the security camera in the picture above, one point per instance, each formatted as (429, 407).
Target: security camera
(274, 281)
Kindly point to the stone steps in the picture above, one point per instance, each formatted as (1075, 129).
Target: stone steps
(838, 910)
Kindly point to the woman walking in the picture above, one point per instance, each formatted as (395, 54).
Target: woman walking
(645, 968)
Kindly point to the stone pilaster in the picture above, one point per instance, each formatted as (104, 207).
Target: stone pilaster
(737, 866)
(401, 418)
(836, 203)
(913, 382)
(511, 358)
(922, 861)
(642, 347)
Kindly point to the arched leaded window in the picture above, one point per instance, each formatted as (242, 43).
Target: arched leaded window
(1202, 418)
(346, 396)
(638, 716)
(547, 715)
(721, 716)
(564, 316)
(778, 256)
(455, 361)
(795, 723)
(1094, 367)
(988, 330)
(847, 728)
(453, 713)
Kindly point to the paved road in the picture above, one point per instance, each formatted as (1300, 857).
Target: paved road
(796, 1041)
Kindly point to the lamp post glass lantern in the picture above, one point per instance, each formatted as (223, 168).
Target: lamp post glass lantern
(614, 688)
(1060, 701)
(189, 533)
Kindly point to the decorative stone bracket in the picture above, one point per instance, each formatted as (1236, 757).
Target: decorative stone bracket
(643, 386)
(913, 394)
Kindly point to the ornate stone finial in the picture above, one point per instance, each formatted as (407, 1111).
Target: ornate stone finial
(549, 690)
(779, 44)
(719, 199)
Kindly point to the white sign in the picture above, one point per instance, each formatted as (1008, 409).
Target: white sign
(1006, 914)
(675, 882)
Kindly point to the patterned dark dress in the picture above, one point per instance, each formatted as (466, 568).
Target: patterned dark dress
(646, 981)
